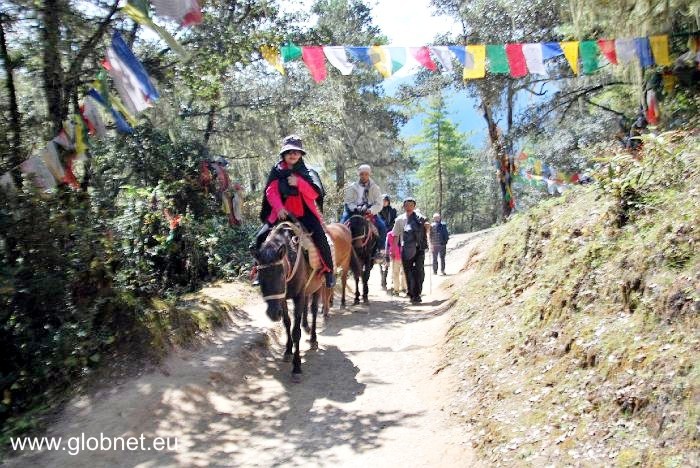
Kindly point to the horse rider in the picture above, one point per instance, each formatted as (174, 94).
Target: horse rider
(365, 196)
(411, 228)
(294, 189)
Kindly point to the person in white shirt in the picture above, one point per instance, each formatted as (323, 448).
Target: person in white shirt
(364, 197)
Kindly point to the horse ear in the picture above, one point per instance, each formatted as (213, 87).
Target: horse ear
(282, 251)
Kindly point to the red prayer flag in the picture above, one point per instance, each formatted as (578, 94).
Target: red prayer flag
(516, 60)
(315, 61)
(422, 54)
(607, 47)
(69, 176)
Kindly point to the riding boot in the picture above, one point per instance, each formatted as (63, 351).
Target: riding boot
(330, 279)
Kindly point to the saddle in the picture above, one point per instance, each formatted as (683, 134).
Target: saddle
(307, 244)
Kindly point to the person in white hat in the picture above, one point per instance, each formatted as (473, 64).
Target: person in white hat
(365, 196)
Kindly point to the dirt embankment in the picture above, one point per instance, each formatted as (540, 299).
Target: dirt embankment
(576, 335)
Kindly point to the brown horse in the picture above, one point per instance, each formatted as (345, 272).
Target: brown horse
(344, 258)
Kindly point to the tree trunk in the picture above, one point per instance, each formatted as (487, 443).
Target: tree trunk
(52, 68)
(504, 166)
(211, 121)
(15, 143)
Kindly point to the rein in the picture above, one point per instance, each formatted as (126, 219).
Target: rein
(367, 234)
(284, 263)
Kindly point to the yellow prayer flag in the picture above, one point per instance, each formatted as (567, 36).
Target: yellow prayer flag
(478, 69)
(659, 47)
(381, 59)
(538, 167)
(117, 104)
(272, 55)
(570, 49)
(80, 145)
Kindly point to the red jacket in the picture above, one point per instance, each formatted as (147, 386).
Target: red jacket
(294, 203)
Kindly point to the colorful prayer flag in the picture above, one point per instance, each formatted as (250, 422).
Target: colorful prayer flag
(290, 52)
(422, 54)
(381, 60)
(516, 60)
(589, 56)
(570, 49)
(185, 12)
(272, 56)
(444, 57)
(551, 50)
(314, 59)
(643, 47)
(607, 48)
(338, 58)
(360, 54)
(659, 48)
(534, 58)
(497, 59)
(142, 18)
(475, 64)
(625, 50)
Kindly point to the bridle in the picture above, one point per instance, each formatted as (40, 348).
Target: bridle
(288, 270)
(366, 234)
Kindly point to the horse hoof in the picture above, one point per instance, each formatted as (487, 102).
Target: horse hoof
(296, 378)
(355, 302)
(314, 346)
(307, 329)
(365, 300)
(287, 358)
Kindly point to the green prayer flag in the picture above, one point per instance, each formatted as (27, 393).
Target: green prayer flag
(497, 59)
(589, 56)
(290, 52)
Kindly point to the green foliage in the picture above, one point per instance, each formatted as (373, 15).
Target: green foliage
(450, 176)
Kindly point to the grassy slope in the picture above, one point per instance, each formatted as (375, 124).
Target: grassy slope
(577, 332)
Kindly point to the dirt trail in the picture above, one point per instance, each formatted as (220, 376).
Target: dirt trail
(374, 394)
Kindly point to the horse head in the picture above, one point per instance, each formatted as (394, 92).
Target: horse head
(360, 229)
(273, 270)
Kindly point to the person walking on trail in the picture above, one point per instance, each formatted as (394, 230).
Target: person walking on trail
(388, 212)
(438, 242)
(412, 230)
(365, 197)
(294, 189)
(393, 249)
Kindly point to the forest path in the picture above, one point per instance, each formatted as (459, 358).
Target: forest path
(376, 393)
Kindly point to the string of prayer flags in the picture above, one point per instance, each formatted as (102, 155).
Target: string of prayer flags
(119, 121)
(514, 59)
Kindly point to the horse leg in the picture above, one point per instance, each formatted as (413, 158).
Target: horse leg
(365, 283)
(299, 303)
(287, 326)
(305, 318)
(357, 289)
(314, 314)
(344, 283)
